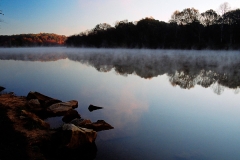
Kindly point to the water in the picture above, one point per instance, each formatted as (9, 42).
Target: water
(163, 104)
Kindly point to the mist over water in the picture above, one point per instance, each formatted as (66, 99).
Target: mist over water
(163, 104)
(185, 68)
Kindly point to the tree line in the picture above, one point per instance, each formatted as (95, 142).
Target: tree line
(187, 29)
(41, 39)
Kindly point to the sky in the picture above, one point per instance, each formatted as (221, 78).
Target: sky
(69, 17)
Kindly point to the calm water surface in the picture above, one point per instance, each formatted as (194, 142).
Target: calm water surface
(163, 104)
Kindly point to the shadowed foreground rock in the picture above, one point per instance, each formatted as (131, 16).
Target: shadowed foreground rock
(79, 136)
(13, 143)
(71, 141)
(44, 100)
(36, 119)
(35, 106)
(70, 115)
(80, 122)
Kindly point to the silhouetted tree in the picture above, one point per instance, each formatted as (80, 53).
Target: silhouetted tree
(231, 22)
(209, 17)
(187, 29)
(186, 16)
(223, 8)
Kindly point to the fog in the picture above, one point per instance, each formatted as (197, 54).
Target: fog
(185, 68)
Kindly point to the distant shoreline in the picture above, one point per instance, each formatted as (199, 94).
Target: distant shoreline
(110, 48)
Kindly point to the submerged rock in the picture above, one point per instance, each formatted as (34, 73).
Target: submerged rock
(59, 109)
(80, 122)
(70, 115)
(100, 125)
(2, 88)
(78, 136)
(92, 108)
(35, 118)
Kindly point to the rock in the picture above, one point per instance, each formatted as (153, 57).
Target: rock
(79, 136)
(2, 88)
(80, 122)
(51, 102)
(96, 126)
(92, 108)
(22, 117)
(100, 125)
(34, 105)
(44, 100)
(63, 107)
(74, 103)
(70, 115)
(35, 118)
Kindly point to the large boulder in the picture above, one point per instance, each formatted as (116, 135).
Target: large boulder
(59, 109)
(34, 105)
(36, 119)
(70, 115)
(78, 136)
(44, 100)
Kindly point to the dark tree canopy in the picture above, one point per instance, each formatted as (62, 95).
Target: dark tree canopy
(209, 17)
(186, 16)
(187, 29)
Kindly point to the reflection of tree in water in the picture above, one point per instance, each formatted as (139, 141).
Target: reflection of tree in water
(184, 71)
(204, 78)
(184, 68)
(43, 57)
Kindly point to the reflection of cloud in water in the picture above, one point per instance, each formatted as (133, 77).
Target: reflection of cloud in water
(128, 106)
(124, 118)
(184, 68)
(126, 110)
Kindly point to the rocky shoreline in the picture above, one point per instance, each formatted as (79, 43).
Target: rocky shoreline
(75, 139)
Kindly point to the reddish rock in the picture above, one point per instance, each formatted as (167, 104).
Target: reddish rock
(100, 125)
(51, 102)
(80, 122)
(43, 99)
(73, 103)
(59, 109)
(35, 118)
(70, 115)
(78, 136)
(34, 105)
